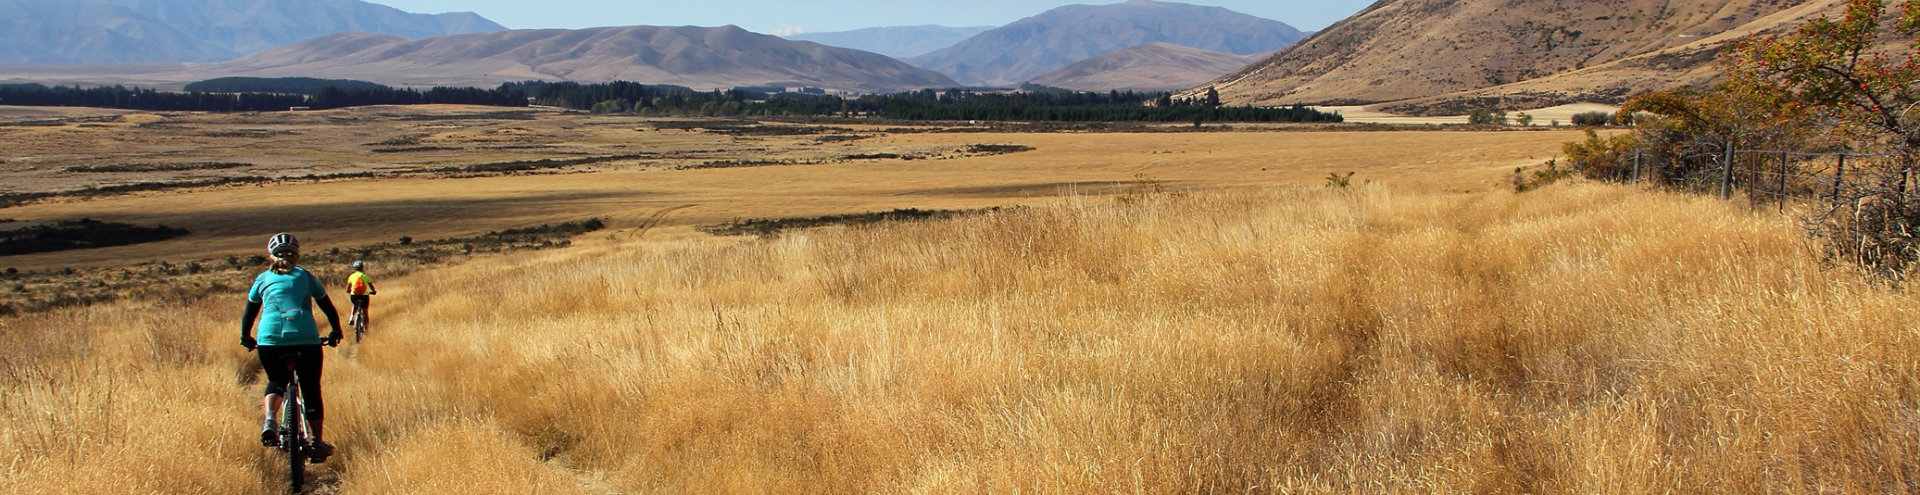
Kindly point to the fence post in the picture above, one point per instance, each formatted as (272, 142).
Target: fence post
(1636, 166)
(1839, 175)
(1906, 174)
(1783, 182)
(1726, 173)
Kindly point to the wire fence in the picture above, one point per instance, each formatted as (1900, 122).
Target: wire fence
(1782, 178)
(1866, 205)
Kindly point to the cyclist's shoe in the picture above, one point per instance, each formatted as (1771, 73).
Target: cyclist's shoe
(269, 435)
(320, 451)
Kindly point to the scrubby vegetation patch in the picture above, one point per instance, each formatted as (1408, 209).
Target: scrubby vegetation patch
(80, 234)
(30, 291)
(772, 226)
(156, 167)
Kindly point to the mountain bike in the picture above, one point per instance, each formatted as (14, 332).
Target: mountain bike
(296, 434)
(295, 437)
(359, 321)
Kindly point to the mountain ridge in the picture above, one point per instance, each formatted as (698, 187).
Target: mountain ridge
(1152, 67)
(696, 57)
(895, 41)
(1036, 45)
(138, 31)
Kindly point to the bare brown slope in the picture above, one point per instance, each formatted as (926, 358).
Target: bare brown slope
(1155, 67)
(696, 57)
(1444, 52)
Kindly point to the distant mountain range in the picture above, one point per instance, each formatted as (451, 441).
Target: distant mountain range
(1040, 44)
(1405, 56)
(898, 41)
(125, 31)
(167, 43)
(1153, 67)
(696, 57)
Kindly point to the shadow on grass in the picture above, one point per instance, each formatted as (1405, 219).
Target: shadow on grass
(774, 226)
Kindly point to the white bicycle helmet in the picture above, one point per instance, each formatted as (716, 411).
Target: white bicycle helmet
(282, 245)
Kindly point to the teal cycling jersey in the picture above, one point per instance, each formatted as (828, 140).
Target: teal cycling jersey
(286, 307)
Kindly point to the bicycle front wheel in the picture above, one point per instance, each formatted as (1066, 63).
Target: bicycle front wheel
(296, 469)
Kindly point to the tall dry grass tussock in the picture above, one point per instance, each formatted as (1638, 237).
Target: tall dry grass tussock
(1576, 339)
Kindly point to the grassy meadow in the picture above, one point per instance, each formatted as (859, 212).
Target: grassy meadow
(346, 210)
(1285, 338)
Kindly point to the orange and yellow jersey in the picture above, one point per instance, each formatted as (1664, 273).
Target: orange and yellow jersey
(358, 284)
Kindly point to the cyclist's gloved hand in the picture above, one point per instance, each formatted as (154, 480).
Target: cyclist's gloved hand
(249, 343)
(333, 339)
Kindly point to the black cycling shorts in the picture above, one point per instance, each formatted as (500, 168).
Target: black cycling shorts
(359, 301)
(307, 359)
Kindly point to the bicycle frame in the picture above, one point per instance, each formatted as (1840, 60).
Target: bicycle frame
(358, 319)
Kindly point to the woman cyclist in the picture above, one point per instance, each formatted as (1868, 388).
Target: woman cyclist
(286, 293)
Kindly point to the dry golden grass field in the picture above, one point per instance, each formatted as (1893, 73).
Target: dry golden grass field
(649, 167)
(1155, 312)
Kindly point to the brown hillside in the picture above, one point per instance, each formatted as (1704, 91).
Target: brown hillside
(695, 57)
(1440, 55)
(1155, 67)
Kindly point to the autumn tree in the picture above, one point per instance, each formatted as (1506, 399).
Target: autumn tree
(1856, 78)
(1846, 84)
(1836, 72)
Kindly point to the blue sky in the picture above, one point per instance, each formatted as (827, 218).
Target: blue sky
(818, 16)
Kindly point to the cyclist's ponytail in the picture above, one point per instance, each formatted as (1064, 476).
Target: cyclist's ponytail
(284, 266)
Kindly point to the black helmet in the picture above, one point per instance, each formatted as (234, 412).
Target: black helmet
(283, 245)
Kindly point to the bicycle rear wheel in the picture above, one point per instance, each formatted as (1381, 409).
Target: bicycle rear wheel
(359, 324)
(294, 438)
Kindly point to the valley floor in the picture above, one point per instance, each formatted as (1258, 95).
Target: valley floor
(1576, 339)
(1148, 312)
